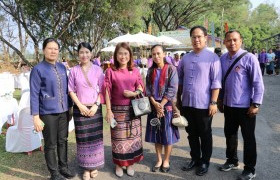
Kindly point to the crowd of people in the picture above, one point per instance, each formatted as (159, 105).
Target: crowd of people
(195, 86)
(269, 60)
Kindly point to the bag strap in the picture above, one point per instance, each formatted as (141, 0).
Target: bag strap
(231, 67)
(85, 75)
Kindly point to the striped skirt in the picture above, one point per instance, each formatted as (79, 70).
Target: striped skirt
(89, 138)
(126, 137)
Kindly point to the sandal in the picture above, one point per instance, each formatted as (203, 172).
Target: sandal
(86, 175)
(93, 173)
(119, 171)
(130, 171)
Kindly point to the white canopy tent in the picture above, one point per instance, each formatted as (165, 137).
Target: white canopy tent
(128, 38)
(109, 49)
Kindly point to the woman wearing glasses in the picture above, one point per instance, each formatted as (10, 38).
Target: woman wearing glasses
(122, 83)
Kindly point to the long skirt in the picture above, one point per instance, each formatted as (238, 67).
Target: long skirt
(89, 138)
(126, 137)
(166, 133)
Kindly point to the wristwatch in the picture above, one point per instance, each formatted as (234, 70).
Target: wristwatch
(256, 105)
(97, 103)
(213, 102)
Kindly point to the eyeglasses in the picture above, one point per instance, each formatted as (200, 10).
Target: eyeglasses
(197, 37)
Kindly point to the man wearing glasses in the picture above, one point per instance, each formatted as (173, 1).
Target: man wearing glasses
(199, 83)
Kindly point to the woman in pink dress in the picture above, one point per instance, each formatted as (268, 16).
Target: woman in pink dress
(122, 83)
(84, 85)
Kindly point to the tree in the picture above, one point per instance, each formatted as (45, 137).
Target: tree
(41, 18)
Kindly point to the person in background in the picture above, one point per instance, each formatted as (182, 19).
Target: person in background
(181, 55)
(122, 83)
(277, 60)
(97, 59)
(254, 51)
(85, 83)
(49, 107)
(176, 60)
(218, 51)
(270, 56)
(242, 96)
(262, 60)
(162, 84)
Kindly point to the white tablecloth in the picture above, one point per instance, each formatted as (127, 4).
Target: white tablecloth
(8, 111)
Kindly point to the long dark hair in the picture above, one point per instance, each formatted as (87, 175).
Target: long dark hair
(130, 63)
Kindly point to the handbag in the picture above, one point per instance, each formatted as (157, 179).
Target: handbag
(180, 121)
(141, 105)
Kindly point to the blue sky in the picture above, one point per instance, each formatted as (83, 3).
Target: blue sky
(255, 3)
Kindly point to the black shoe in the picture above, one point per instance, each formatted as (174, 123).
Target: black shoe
(189, 166)
(203, 169)
(57, 177)
(156, 169)
(229, 166)
(246, 175)
(165, 169)
(67, 173)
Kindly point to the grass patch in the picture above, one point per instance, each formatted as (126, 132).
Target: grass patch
(19, 166)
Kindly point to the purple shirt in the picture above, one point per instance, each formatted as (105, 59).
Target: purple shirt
(244, 81)
(262, 57)
(97, 62)
(77, 83)
(168, 59)
(199, 74)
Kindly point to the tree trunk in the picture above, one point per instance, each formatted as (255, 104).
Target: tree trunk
(36, 48)
(16, 50)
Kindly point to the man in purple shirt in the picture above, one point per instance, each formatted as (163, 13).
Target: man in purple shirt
(243, 94)
(199, 83)
(262, 60)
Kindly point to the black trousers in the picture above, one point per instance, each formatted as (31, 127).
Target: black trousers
(55, 134)
(235, 117)
(200, 133)
(262, 65)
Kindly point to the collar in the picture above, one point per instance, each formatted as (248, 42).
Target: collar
(238, 53)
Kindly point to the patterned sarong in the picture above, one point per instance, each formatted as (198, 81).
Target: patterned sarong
(89, 138)
(126, 137)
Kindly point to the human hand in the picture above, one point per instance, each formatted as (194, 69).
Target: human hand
(212, 109)
(176, 112)
(129, 94)
(38, 123)
(109, 116)
(92, 110)
(83, 110)
(253, 111)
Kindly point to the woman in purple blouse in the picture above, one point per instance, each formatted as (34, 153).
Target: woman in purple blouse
(85, 82)
(162, 85)
(122, 83)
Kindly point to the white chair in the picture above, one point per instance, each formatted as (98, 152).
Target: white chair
(20, 138)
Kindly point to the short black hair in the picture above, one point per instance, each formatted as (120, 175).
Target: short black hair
(232, 31)
(48, 40)
(199, 27)
(85, 45)
(158, 45)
